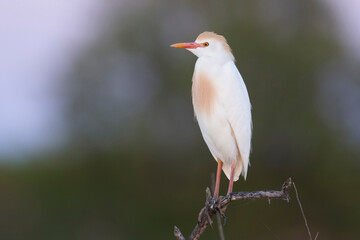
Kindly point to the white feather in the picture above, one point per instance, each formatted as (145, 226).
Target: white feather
(231, 112)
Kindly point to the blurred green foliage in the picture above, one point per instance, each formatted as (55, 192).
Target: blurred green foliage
(136, 164)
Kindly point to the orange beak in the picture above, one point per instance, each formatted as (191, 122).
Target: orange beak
(190, 45)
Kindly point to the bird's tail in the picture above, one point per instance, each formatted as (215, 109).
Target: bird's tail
(238, 169)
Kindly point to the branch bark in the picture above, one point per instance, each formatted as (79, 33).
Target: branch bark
(213, 206)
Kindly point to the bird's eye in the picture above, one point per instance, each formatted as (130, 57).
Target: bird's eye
(206, 44)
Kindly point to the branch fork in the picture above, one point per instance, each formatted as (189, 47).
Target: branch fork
(219, 205)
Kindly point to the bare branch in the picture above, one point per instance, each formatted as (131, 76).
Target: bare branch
(178, 234)
(218, 217)
(214, 206)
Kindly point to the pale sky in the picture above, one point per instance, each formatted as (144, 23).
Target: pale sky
(38, 41)
(347, 16)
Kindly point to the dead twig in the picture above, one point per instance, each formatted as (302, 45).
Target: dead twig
(303, 214)
(214, 206)
(218, 217)
(178, 234)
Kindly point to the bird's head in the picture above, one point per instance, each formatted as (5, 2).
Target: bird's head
(208, 44)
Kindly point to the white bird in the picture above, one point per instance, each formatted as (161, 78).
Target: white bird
(222, 105)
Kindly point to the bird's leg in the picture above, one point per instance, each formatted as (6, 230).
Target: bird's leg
(218, 175)
(233, 165)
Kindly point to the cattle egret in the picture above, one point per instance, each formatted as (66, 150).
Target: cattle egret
(222, 106)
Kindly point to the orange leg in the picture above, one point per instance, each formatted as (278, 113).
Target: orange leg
(218, 175)
(231, 183)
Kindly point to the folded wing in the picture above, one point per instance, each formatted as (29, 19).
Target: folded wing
(236, 102)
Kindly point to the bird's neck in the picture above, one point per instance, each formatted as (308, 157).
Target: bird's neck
(211, 66)
(214, 61)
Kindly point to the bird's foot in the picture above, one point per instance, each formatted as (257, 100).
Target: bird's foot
(229, 196)
(213, 201)
(214, 205)
(221, 209)
(223, 216)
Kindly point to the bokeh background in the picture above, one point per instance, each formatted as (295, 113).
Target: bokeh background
(98, 138)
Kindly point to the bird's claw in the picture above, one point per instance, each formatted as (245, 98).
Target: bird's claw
(229, 196)
(224, 217)
(214, 205)
(213, 202)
